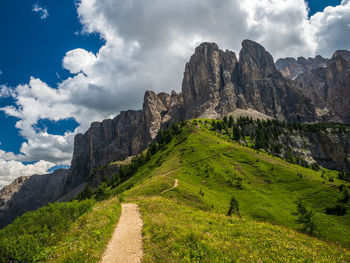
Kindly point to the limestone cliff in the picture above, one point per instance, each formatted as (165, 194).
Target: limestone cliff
(329, 87)
(291, 68)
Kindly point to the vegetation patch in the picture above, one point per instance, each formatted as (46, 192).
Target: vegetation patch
(29, 237)
(179, 233)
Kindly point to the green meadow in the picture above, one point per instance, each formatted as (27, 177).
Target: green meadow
(189, 223)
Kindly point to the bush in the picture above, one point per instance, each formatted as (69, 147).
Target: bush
(345, 196)
(306, 217)
(315, 166)
(344, 176)
(234, 207)
(339, 210)
(86, 193)
(102, 192)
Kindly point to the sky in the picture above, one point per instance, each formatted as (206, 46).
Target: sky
(67, 63)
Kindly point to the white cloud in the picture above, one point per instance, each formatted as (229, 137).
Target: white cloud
(331, 27)
(146, 47)
(79, 60)
(11, 169)
(5, 91)
(41, 11)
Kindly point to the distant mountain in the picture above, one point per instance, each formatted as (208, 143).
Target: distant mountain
(28, 193)
(215, 84)
(325, 81)
(292, 68)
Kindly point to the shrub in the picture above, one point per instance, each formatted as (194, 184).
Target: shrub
(102, 192)
(306, 217)
(234, 207)
(339, 210)
(86, 193)
(315, 166)
(345, 196)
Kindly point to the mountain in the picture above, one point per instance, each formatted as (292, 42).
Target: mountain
(292, 68)
(28, 193)
(184, 190)
(325, 81)
(329, 87)
(215, 84)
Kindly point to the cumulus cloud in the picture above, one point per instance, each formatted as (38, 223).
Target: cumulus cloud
(332, 31)
(5, 91)
(79, 60)
(41, 11)
(11, 169)
(146, 47)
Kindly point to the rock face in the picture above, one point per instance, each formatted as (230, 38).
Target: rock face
(127, 134)
(266, 90)
(329, 87)
(292, 68)
(330, 148)
(28, 193)
(208, 87)
(215, 84)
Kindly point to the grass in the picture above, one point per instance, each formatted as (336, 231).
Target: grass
(29, 236)
(179, 233)
(61, 232)
(212, 169)
(87, 238)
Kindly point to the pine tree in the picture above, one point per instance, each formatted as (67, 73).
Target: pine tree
(236, 133)
(230, 122)
(306, 217)
(234, 207)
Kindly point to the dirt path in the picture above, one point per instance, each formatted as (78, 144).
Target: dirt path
(175, 185)
(126, 243)
(170, 172)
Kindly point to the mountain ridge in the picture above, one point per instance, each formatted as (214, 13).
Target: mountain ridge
(215, 84)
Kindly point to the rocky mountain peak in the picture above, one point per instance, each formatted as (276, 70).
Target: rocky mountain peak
(255, 62)
(291, 68)
(345, 54)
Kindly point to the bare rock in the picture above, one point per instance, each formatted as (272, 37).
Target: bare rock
(28, 193)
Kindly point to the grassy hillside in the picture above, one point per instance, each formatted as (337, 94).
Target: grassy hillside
(60, 232)
(211, 168)
(189, 223)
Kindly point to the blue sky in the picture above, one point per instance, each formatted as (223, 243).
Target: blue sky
(319, 5)
(33, 46)
(97, 83)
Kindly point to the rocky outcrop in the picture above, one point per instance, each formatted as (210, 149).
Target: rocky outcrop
(266, 90)
(127, 134)
(28, 193)
(216, 83)
(329, 87)
(329, 147)
(208, 87)
(292, 68)
(330, 150)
